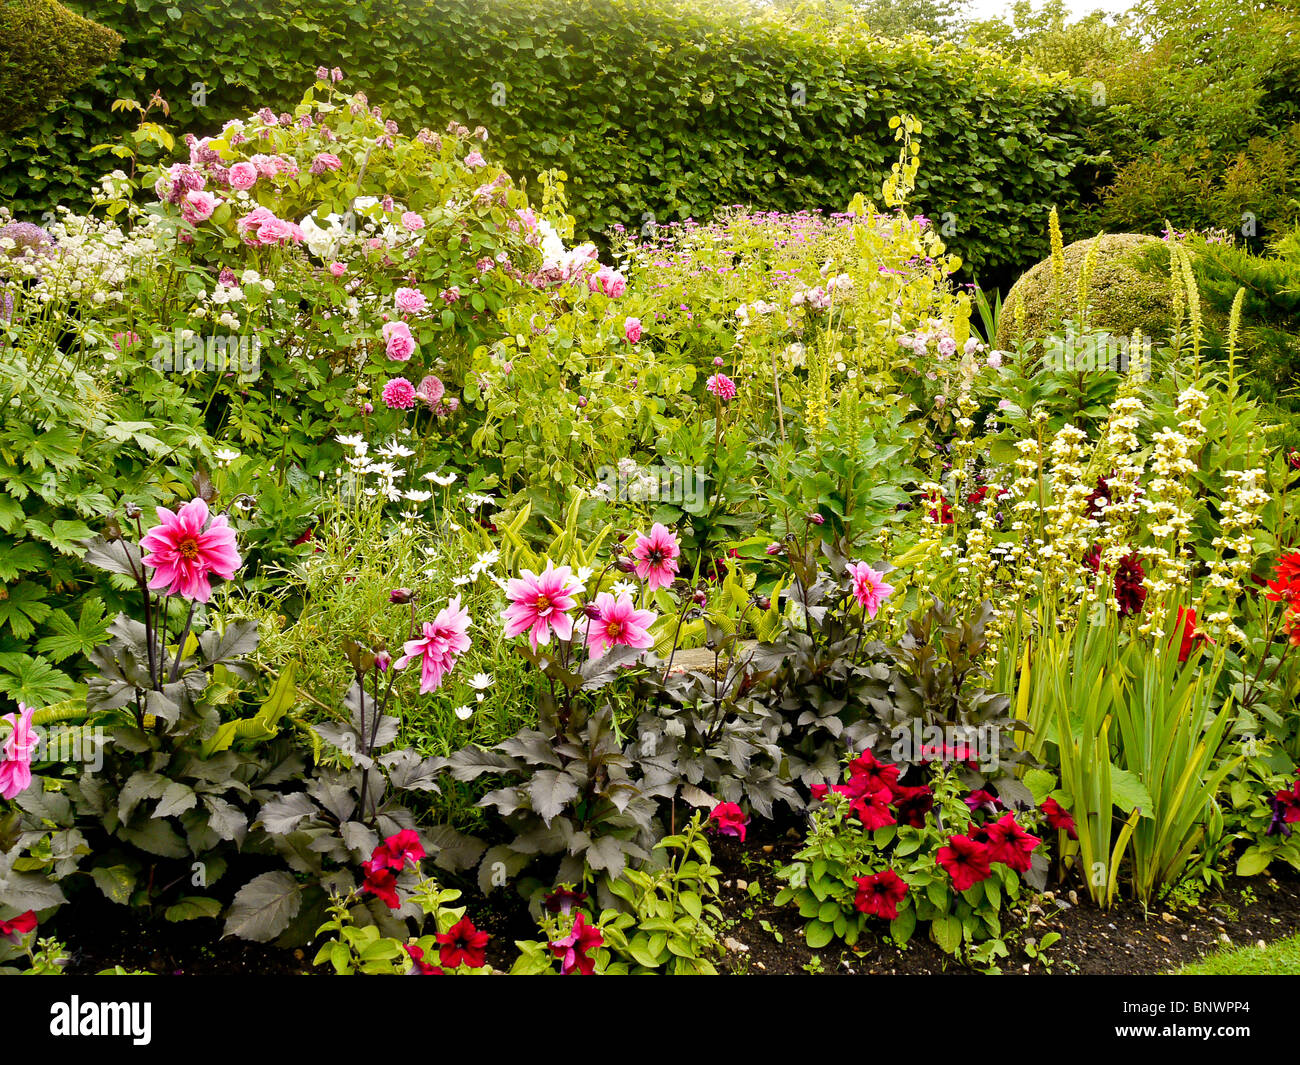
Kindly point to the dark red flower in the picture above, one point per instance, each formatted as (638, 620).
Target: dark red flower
(873, 810)
(730, 820)
(965, 860)
(1058, 817)
(462, 944)
(880, 893)
(818, 792)
(18, 926)
(563, 899)
(1092, 559)
(1130, 592)
(396, 851)
(577, 949)
(867, 774)
(305, 537)
(420, 966)
(383, 884)
(940, 510)
(1010, 844)
(912, 804)
(983, 800)
(1098, 499)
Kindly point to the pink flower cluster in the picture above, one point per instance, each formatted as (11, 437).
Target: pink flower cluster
(16, 754)
(260, 227)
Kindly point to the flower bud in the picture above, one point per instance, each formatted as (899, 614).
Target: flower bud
(401, 596)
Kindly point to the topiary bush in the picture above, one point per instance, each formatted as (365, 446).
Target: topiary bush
(1121, 295)
(45, 52)
(657, 110)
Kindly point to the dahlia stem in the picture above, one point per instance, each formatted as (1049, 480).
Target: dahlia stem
(180, 646)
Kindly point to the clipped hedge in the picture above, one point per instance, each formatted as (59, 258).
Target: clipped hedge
(45, 51)
(659, 109)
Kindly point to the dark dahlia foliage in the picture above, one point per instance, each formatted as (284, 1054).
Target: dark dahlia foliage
(571, 805)
(705, 737)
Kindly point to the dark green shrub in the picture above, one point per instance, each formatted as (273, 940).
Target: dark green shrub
(662, 109)
(45, 52)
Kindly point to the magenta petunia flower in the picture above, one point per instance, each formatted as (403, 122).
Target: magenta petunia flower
(656, 557)
(539, 604)
(869, 587)
(444, 640)
(184, 554)
(16, 754)
(721, 386)
(617, 622)
(576, 950)
(398, 394)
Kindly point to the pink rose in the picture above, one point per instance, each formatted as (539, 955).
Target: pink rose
(338, 269)
(412, 221)
(198, 207)
(410, 300)
(399, 345)
(243, 176)
(632, 330)
(475, 160)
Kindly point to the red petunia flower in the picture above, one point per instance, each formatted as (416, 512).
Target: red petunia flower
(420, 966)
(912, 804)
(18, 926)
(873, 810)
(1058, 817)
(880, 894)
(818, 792)
(1010, 844)
(730, 820)
(870, 774)
(462, 944)
(383, 884)
(965, 860)
(577, 949)
(396, 851)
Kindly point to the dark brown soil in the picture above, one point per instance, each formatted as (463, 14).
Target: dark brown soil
(1121, 941)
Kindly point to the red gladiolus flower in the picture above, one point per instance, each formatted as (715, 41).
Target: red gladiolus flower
(420, 966)
(1058, 817)
(1010, 844)
(873, 810)
(1130, 592)
(576, 950)
(18, 926)
(1191, 638)
(382, 883)
(462, 944)
(880, 894)
(965, 860)
(730, 820)
(912, 804)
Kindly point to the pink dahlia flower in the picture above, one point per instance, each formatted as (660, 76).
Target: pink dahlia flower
(443, 641)
(618, 623)
(721, 386)
(398, 394)
(539, 605)
(656, 557)
(16, 754)
(184, 554)
(869, 587)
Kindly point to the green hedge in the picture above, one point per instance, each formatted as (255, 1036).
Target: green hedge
(45, 50)
(663, 108)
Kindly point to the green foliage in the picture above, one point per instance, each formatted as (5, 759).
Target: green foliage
(684, 106)
(46, 51)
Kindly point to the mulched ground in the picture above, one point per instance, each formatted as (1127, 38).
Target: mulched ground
(761, 939)
(764, 940)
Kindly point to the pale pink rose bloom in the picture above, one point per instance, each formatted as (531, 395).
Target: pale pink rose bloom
(184, 554)
(198, 207)
(16, 754)
(338, 269)
(656, 557)
(243, 176)
(475, 160)
(539, 604)
(410, 300)
(431, 390)
(399, 344)
(869, 587)
(618, 624)
(412, 221)
(609, 281)
(443, 640)
(632, 330)
(450, 295)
